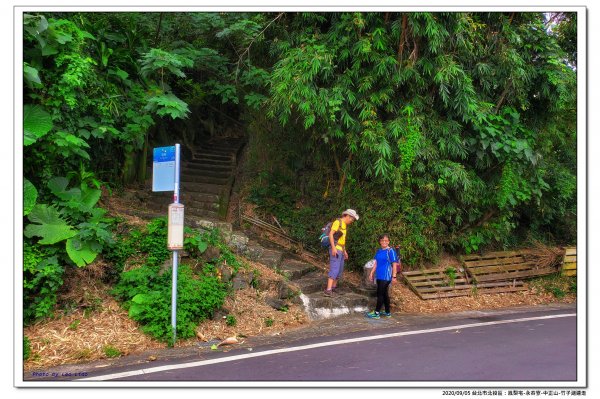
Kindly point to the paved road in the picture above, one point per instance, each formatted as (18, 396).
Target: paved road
(523, 347)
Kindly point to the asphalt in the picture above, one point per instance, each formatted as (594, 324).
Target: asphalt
(344, 327)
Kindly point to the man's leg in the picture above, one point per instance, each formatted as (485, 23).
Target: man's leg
(341, 269)
(334, 271)
(330, 282)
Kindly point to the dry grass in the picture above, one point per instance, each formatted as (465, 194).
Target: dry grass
(406, 301)
(83, 334)
(544, 256)
(98, 321)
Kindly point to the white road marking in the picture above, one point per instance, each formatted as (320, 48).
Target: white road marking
(312, 346)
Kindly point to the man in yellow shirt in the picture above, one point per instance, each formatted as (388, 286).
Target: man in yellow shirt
(338, 253)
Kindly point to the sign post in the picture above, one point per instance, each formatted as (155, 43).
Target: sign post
(165, 177)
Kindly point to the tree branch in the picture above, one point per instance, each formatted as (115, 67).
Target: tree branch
(502, 97)
(252, 41)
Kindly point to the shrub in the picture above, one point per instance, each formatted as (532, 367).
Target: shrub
(146, 290)
(42, 278)
(231, 321)
(26, 348)
(147, 295)
(111, 351)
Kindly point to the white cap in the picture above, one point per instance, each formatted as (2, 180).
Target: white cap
(351, 212)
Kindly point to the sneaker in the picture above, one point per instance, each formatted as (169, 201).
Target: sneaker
(386, 314)
(328, 293)
(336, 291)
(373, 315)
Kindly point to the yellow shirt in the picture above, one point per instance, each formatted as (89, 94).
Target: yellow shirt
(341, 243)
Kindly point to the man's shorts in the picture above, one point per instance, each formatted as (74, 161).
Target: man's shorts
(336, 265)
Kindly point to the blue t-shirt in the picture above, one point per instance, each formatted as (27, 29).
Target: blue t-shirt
(385, 258)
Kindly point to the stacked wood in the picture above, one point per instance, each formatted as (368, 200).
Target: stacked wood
(436, 283)
(569, 265)
(505, 266)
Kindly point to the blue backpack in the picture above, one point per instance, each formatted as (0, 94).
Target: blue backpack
(324, 237)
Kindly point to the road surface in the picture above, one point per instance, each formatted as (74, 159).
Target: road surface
(521, 347)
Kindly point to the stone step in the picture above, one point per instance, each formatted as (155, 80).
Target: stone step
(224, 153)
(206, 164)
(211, 206)
(199, 197)
(204, 179)
(185, 198)
(208, 157)
(294, 269)
(194, 212)
(222, 144)
(192, 173)
(268, 257)
(190, 206)
(312, 282)
(202, 188)
(319, 306)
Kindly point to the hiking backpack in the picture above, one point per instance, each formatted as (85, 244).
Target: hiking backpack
(324, 237)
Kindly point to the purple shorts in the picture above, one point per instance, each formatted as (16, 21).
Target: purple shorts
(336, 265)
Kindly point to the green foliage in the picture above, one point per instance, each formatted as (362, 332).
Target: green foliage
(230, 320)
(269, 322)
(74, 324)
(26, 348)
(146, 289)
(465, 117)
(46, 222)
(42, 278)
(450, 273)
(74, 219)
(111, 352)
(30, 195)
(147, 294)
(214, 238)
(193, 242)
(167, 104)
(36, 124)
(555, 284)
(157, 61)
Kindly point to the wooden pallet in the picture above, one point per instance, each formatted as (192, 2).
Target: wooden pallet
(569, 265)
(435, 284)
(502, 266)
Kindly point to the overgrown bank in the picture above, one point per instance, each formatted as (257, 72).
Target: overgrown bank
(452, 132)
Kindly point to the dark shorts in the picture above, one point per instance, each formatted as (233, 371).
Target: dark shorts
(336, 265)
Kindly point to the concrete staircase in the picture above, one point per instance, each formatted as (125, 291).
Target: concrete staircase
(206, 179)
(309, 283)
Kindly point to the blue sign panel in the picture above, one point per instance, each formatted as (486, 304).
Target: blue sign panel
(163, 169)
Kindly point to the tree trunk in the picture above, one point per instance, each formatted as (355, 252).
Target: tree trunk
(402, 38)
(142, 161)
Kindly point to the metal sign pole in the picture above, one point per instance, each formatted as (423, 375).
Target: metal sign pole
(175, 252)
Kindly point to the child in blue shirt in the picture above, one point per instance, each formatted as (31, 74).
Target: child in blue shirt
(384, 273)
